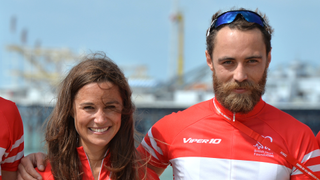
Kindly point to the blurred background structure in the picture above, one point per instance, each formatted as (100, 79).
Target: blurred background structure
(160, 47)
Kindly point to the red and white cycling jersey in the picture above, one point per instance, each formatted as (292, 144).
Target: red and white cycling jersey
(11, 136)
(200, 144)
(104, 174)
(87, 173)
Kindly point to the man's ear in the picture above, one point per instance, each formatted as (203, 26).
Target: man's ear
(209, 60)
(269, 58)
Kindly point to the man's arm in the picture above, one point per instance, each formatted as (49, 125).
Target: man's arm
(9, 175)
(157, 170)
(26, 169)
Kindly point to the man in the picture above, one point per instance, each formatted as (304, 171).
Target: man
(203, 142)
(11, 139)
(200, 143)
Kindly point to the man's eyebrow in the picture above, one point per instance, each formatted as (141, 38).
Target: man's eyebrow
(225, 58)
(254, 57)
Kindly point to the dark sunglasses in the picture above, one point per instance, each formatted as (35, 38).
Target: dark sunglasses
(230, 16)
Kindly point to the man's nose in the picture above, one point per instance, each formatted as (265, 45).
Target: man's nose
(240, 73)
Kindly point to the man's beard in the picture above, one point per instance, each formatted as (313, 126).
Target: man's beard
(239, 102)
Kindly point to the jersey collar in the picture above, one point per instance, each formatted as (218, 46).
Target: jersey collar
(239, 116)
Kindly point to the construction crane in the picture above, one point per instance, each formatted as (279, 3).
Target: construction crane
(47, 63)
(178, 19)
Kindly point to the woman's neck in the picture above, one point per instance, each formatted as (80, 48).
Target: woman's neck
(95, 167)
(95, 156)
(94, 152)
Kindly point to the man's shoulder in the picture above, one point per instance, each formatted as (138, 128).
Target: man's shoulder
(166, 129)
(279, 118)
(193, 112)
(181, 119)
(271, 111)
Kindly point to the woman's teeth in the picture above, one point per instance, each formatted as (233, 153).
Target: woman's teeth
(99, 130)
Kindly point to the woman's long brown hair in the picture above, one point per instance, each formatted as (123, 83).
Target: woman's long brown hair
(61, 135)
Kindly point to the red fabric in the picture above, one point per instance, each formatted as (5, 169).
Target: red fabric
(200, 133)
(11, 136)
(318, 138)
(87, 175)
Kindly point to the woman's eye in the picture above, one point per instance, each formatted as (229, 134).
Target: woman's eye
(88, 107)
(110, 107)
(113, 108)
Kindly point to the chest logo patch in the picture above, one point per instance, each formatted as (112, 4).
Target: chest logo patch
(261, 150)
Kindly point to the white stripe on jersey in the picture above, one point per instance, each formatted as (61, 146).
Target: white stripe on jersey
(2, 151)
(308, 156)
(149, 149)
(18, 142)
(200, 168)
(313, 168)
(154, 143)
(14, 158)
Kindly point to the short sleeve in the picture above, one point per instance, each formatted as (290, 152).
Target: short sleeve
(11, 136)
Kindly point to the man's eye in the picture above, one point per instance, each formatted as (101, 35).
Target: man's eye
(252, 61)
(227, 62)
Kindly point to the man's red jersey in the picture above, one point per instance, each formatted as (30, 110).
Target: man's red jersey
(200, 144)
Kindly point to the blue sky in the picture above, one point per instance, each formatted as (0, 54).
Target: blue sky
(140, 32)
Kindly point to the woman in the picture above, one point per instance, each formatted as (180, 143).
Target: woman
(90, 134)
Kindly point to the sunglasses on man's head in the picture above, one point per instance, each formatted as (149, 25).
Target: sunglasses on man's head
(230, 16)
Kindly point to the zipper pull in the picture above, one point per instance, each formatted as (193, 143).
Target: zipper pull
(234, 117)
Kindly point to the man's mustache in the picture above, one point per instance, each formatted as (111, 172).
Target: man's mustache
(247, 85)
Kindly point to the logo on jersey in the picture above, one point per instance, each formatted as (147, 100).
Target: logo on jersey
(201, 141)
(261, 150)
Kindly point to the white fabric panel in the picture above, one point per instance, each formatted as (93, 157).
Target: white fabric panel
(197, 168)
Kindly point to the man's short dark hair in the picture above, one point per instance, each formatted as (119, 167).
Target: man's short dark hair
(243, 25)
